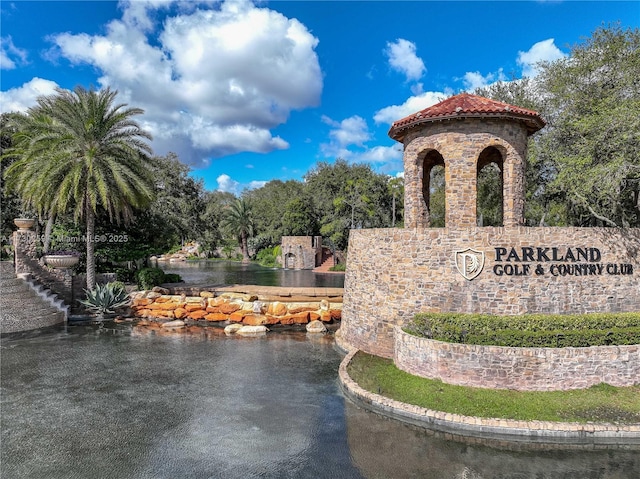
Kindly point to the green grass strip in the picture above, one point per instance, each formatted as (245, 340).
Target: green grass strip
(602, 403)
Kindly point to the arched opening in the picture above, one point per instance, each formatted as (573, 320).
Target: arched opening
(433, 188)
(489, 188)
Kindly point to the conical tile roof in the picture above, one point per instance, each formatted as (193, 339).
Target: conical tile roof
(466, 105)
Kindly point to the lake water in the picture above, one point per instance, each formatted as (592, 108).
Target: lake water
(124, 402)
(230, 272)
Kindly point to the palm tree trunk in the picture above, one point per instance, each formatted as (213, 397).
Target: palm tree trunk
(244, 247)
(91, 257)
(47, 232)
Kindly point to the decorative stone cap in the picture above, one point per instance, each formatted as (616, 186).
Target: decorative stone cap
(466, 106)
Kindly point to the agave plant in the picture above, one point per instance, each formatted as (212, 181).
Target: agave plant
(105, 298)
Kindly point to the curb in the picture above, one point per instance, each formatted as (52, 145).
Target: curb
(501, 429)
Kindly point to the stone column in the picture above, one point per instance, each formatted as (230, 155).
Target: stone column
(24, 249)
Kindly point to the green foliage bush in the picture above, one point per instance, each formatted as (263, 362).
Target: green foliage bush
(147, 278)
(172, 278)
(268, 256)
(531, 330)
(338, 267)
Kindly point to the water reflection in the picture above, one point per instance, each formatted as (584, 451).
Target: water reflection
(228, 272)
(125, 402)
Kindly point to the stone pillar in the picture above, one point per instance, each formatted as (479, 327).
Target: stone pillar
(24, 250)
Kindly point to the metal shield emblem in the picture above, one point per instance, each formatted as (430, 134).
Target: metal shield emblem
(469, 263)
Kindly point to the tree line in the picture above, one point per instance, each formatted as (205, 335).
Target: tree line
(81, 163)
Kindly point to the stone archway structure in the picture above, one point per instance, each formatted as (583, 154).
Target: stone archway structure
(464, 133)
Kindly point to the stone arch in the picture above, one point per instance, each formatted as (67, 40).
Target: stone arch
(431, 160)
(490, 186)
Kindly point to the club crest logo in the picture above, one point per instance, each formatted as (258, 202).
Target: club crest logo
(469, 262)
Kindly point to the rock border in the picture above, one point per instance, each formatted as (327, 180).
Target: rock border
(493, 428)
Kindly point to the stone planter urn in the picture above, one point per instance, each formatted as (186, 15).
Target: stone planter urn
(61, 261)
(24, 224)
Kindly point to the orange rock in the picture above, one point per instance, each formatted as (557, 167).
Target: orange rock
(236, 317)
(169, 306)
(180, 313)
(212, 309)
(141, 313)
(163, 299)
(314, 316)
(141, 302)
(286, 319)
(271, 319)
(325, 316)
(301, 318)
(336, 314)
(277, 309)
(301, 309)
(216, 317)
(194, 307)
(254, 320)
(228, 308)
(197, 314)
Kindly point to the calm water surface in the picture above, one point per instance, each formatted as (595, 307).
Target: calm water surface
(123, 402)
(229, 272)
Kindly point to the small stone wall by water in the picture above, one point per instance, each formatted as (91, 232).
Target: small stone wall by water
(252, 306)
(525, 369)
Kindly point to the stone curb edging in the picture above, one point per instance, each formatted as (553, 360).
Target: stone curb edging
(529, 431)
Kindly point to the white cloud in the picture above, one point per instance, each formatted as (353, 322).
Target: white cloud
(24, 97)
(413, 104)
(403, 58)
(226, 184)
(350, 131)
(545, 50)
(212, 81)
(473, 80)
(10, 55)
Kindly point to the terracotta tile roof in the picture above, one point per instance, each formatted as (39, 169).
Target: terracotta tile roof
(466, 106)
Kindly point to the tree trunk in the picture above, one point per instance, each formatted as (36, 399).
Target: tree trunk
(47, 232)
(245, 248)
(91, 257)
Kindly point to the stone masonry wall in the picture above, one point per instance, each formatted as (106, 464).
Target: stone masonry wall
(530, 369)
(301, 252)
(393, 274)
(248, 309)
(460, 150)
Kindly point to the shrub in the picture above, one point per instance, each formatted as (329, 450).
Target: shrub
(338, 267)
(172, 278)
(147, 278)
(531, 330)
(106, 298)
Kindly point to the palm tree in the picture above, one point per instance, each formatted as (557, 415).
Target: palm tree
(80, 152)
(238, 220)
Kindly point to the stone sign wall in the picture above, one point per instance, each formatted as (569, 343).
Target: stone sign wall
(393, 274)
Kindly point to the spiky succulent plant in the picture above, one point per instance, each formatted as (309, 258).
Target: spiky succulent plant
(105, 298)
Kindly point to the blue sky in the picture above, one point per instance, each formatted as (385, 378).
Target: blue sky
(246, 92)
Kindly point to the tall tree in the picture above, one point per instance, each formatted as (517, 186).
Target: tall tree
(238, 220)
(593, 134)
(80, 152)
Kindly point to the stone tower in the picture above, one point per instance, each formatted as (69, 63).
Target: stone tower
(463, 134)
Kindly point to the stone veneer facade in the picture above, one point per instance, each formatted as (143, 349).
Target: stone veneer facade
(524, 369)
(461, 150)
(393, 274)
(301, 252)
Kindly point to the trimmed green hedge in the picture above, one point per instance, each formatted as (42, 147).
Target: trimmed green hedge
(530, 330)
(147, 278)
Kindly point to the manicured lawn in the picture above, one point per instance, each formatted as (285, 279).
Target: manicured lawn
(601, 403)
